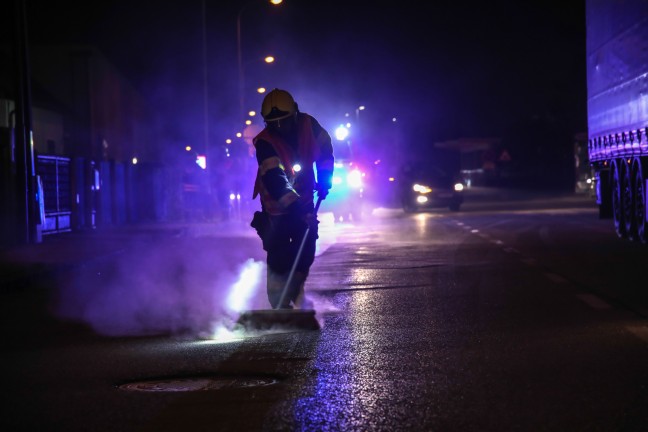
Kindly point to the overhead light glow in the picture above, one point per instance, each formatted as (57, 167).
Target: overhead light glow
(188, 148)
(341, 133)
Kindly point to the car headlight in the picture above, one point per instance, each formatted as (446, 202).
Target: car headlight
(458, 187)
(421, 189)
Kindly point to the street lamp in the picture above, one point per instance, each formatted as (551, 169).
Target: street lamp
(360, 108)
(241, 75)
(205, 100)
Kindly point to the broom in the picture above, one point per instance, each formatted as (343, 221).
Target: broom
(283, 319)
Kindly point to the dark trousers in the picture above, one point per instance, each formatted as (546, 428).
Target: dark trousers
(281, 241)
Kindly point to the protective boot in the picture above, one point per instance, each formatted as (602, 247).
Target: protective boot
(275, 286)
(296, 290)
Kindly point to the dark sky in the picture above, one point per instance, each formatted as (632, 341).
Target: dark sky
(445, 69)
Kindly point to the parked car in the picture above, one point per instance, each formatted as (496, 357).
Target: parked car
(428, 185)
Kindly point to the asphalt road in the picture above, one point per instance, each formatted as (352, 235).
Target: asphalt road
(505, 316)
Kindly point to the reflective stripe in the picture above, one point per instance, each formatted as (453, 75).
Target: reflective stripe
(307, 153)
(270, 163)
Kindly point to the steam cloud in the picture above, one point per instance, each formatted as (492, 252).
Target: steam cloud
(189, 283)
(167, 284)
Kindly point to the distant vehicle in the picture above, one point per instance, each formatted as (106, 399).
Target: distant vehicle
(617, 79)
(346, 197)
(428, 186)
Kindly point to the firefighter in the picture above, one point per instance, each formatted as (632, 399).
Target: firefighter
(286, 182)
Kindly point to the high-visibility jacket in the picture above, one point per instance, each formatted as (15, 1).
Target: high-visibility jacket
(278, 182)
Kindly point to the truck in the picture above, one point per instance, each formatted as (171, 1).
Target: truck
(617, 112)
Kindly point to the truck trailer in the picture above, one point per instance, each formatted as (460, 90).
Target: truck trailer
(617, 111)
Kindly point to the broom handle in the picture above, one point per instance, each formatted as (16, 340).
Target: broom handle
(297, 257)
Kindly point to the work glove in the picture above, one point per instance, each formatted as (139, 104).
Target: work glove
(302, 213)
(322, 190)
(324, 182)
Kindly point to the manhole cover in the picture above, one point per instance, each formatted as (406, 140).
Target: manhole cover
(196, 384)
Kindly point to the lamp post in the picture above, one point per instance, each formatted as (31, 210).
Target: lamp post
(239, 51)
(205, 99)
(207, 164)
(360, 108)
(359, 130)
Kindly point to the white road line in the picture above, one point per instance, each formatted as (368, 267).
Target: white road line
(593, 301)
(497, 242)
(553, 277)
(640, 331)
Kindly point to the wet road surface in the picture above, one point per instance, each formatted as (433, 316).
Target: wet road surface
(481, 320)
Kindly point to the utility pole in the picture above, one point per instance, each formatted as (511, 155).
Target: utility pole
(241, 76)
(210, 163)
(26, 191)
(239, 54)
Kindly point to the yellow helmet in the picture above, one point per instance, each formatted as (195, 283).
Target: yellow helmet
(277, 105)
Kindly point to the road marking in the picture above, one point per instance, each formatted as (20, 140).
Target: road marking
(593, 301)
(553, 277)
(640, 331)
(497, 242)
